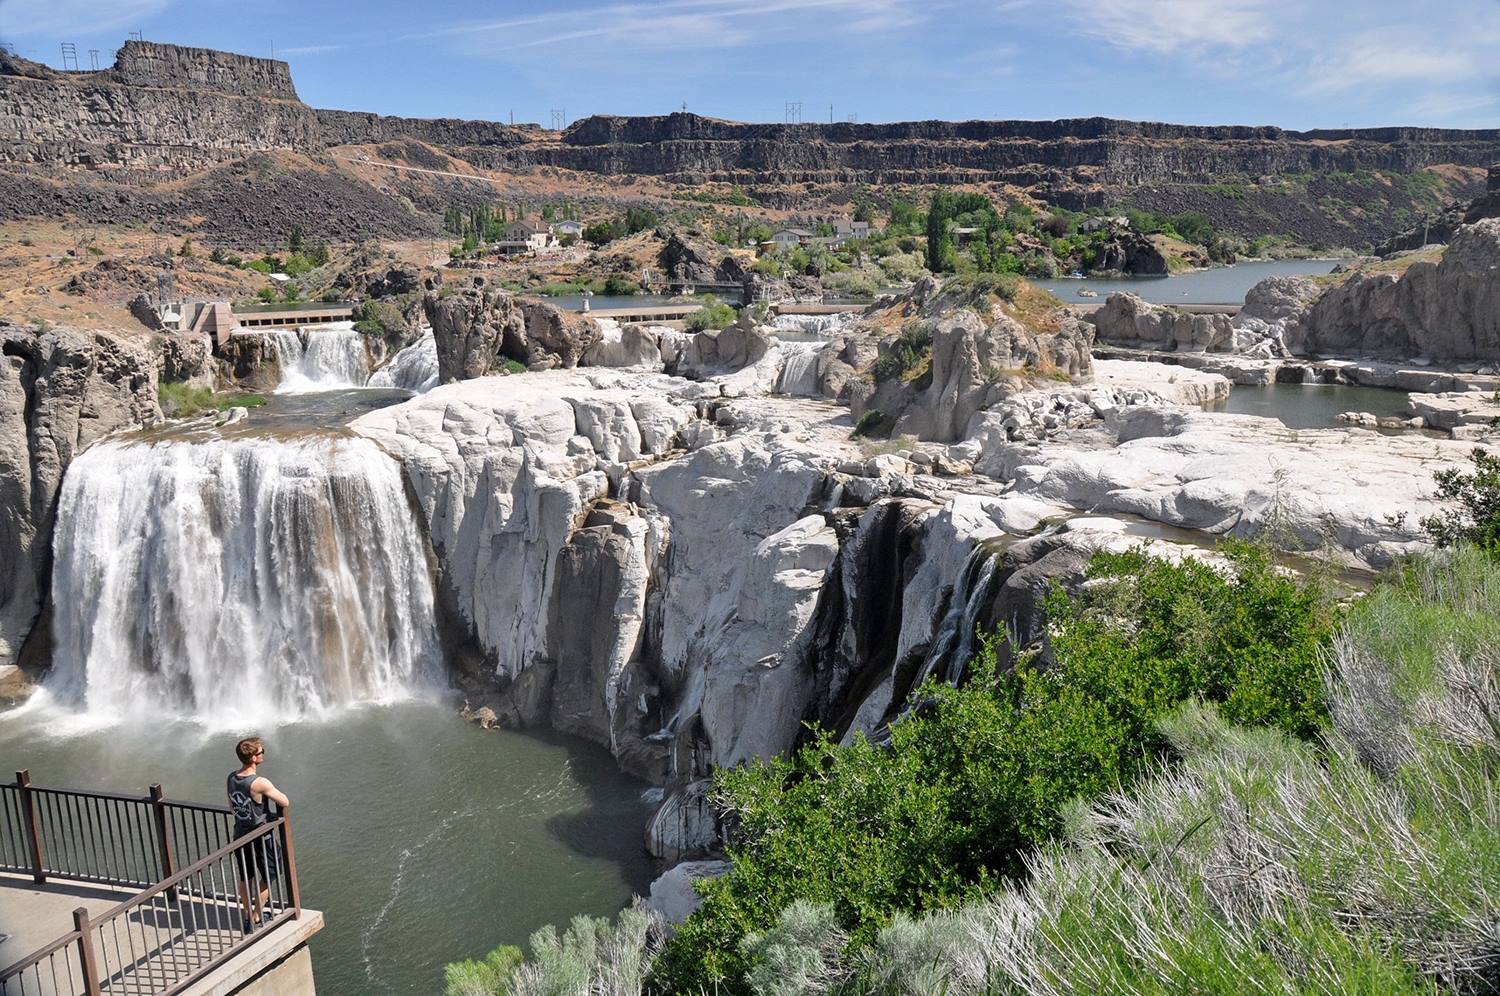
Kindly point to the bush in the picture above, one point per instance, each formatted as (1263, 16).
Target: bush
(904, 354)
(870, 424)
(1477, 518)
(489, 976)
(183, 400)
(620, 286)
(713, 315)
(982, 773)
(258, 265)
(514, 367)
(267, 294)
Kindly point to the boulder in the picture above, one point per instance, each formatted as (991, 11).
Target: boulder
(477, 329)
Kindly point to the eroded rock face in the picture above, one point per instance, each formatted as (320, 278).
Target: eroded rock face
(60, 390)
(477, 329)
(1445, 311)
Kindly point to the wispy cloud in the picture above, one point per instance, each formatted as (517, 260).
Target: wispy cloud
(1164, 27)
(64, 18)
(309, 50)
(678, 24)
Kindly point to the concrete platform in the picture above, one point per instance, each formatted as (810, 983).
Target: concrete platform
(158, 944)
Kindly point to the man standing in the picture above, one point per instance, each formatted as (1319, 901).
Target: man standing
(250, 796)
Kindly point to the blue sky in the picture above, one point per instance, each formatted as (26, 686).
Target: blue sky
(1293, 63)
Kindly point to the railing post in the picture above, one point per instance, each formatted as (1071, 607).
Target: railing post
(33, 825)
(86, 951)
(294, 892)
(163, 837)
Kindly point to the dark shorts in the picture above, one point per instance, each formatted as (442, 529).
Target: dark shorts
(256, 861)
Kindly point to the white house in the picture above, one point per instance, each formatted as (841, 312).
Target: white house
(567, 227)
(791, 237)
(844, 228)
(523, 237)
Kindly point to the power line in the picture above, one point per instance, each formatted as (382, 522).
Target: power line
(559, 118)
(94, 59)
(794, 112)
(69, 54)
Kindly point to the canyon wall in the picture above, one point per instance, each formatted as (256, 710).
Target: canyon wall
(166, 105)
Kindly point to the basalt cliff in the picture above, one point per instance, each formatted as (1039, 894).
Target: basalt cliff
(169, 108)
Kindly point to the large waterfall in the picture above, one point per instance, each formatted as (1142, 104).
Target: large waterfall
(325, 358)
(239, 580)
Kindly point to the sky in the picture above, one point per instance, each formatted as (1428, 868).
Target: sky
(1294, 63)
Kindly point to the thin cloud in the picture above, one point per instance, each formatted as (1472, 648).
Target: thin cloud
(310, 49)
(1164, 27)
(61, 18)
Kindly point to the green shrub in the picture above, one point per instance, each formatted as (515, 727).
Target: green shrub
(267, 294)
(981, 774)
(620, 286)
(871, 424)
(514, 367)
(904, 354)
(1477, 518)
(713, 315)
(258, 265)
(489, 976)
(183, 400)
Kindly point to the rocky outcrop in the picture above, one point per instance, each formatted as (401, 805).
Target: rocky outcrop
(1445, 311)
(60, 389)
(690, 260)
(1133, 253)
(1439, 230)
(478, 329)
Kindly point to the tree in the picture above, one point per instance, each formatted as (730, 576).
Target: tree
(186, 252)
(294, 239)
(946, 206)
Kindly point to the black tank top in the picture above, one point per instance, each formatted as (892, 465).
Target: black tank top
(248, 814)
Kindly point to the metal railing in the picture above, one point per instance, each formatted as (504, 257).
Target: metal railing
(182, 926)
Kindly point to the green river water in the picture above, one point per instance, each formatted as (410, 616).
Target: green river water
(421, 838)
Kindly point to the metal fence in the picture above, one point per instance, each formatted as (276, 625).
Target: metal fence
(201, 900)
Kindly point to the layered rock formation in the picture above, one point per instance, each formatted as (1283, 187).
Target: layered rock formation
(477, 329)
(60, 390)
(169, 105)
(1446, 311)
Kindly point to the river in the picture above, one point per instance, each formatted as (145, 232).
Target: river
(272, 576)
(422, 839)
(1218, 285)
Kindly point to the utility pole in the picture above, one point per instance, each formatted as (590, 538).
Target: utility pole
(830, 114)
(69, 54)
(559, 118)
(794, 112)
(94, 59)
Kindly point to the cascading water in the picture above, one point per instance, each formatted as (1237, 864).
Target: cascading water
(799, 369)
(415, 368)
(325, 358)
(812, 325)
(239, 580)
(953, 645)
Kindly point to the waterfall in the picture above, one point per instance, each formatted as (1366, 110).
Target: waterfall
(322, 358)
(953, 645)
(415, 368)
(812, 324)
(239, 581)
(799, 369)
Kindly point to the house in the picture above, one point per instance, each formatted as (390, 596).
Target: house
(962, 236)
(845, 228)
(534, 235)
(525, 236)
(788, 237)
(567, 227)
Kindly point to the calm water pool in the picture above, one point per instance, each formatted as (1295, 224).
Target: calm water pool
(422, 839)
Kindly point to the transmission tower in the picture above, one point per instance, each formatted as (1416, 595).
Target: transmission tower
(70, 55)
(559, 118)
(794, 112)
(94, 59)
(853, 117)
(136, 36)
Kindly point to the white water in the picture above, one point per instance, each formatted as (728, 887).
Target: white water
(238, 581)
(799, 369)
(415, 368)
(323, 358)
(953, 645)
(818, 324)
